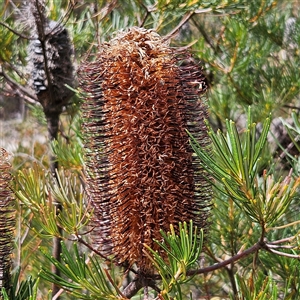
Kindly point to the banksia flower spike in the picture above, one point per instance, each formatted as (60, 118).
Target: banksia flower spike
(6, 220)
(140, 98)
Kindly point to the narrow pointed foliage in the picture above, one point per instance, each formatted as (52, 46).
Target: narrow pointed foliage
(6, 220)
(140, 98)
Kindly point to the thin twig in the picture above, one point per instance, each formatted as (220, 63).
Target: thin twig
(56, 296)
(262, 11)
(63, 21)
(289, 106)
(14, 68)
(113, 283)
(204, 34)
(284, 254)
(285, 240)
(289, 148)
(82, 241)
(284, 226)
(18, 86)
(148, 12)
(203, 10)
(185, 18)
(187, 46)
(270, 246)
(224, 263)
(16, 32)
(106, 10)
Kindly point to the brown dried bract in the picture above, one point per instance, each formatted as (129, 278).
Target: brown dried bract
(140, 98)
(6, 218)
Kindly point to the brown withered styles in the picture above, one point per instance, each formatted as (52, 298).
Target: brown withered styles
(140, 98)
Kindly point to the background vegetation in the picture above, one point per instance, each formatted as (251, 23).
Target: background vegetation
(250, 53)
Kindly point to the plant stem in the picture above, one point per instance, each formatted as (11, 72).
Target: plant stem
(139, 282)
(256, 247)
(52, 123)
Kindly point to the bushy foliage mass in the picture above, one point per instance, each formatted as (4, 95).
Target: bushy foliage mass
(248, 248)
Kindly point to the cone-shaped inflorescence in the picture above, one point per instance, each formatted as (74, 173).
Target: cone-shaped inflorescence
(6, 220)
(141, 97)
(49, 61)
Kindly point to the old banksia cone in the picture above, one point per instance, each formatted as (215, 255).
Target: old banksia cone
(50, 63)
(7, 219)
(140, 98)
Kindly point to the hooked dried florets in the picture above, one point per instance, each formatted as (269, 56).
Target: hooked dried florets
(141, 97)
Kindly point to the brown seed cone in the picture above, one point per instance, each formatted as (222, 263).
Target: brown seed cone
(7, 219)
(50, 64)
(140, 98)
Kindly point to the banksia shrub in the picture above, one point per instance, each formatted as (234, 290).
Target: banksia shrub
(140, 98)
(49, 60)
(6, 220)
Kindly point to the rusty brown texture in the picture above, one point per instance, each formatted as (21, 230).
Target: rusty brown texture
(140, 97)
(7, 219)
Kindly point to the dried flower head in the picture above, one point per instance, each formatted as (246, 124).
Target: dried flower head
(49, 59)
(140, 98)
(6, 219)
